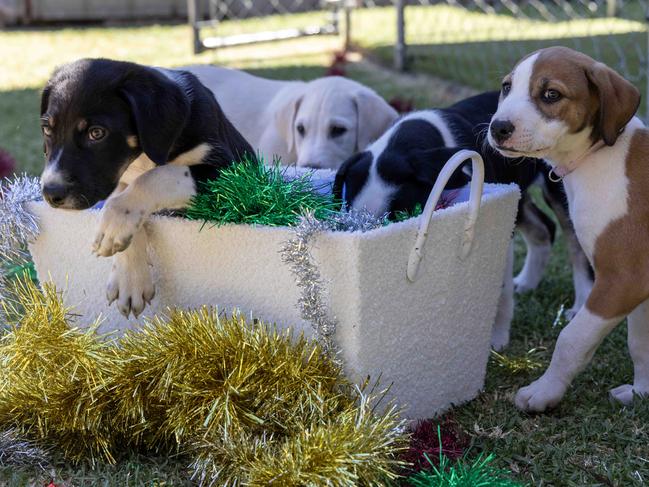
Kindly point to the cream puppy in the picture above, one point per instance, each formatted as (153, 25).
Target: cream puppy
(316, 124)
(578, 115)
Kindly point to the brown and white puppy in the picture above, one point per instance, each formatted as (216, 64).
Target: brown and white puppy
(578, 114)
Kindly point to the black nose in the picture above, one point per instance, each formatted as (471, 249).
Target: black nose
(55, 194)
(501, 130)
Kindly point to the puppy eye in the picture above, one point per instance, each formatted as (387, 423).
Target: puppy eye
(336, 131)
(300, 129)
(550, 96)
(96, 133)
(47, 130)
(506, 87)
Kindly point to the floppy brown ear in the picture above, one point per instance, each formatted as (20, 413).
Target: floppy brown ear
(285, 120)
(618, 101)
(374, 117)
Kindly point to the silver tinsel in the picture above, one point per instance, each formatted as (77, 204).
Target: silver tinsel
(16, 451)
(17, 225)
(295, 253)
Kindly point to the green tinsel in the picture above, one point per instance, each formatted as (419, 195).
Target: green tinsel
(254, 193)
(403, 215)
(464, 473)
(18, 270)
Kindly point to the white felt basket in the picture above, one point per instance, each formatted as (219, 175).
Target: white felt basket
(420, 320)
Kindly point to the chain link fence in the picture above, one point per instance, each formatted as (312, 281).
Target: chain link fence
(476, 42)
(471, 42)
(214, 21)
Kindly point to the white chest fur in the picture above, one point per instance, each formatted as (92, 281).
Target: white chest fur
(598, 190)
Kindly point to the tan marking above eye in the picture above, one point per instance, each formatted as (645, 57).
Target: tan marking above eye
(132, 141)
(82, 125)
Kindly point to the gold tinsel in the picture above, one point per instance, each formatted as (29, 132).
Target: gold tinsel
(198, 373)
(53, 377)
(254, 405)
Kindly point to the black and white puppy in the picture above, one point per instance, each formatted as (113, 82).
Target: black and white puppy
(398, 171)
(140, 137)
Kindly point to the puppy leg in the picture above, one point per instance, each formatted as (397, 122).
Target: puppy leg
(638, 340)
(130, 282)
(574, 349)
(582, 273)
(538, 232)
(163, 187)
(505, 313)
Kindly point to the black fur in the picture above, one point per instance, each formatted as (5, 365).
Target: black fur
(170, 112)
(416, 153)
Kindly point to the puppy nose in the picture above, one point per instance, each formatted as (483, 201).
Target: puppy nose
(501, 130)
(55, 194)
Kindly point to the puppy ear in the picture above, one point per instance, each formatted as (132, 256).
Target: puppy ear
(374, 117)
(341, 176)
(285, 119)
(160, 109)
(428, 163)
(618, 101)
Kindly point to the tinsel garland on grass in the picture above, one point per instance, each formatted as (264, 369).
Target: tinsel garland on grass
(15, 450)
(52, 376)
(444, 472)
(249, 402)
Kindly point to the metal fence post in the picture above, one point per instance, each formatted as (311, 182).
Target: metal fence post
(611, 8)
(348, 24)
(400, 45)
(192, 13)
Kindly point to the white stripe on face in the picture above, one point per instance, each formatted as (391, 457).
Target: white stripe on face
(534, 135)
(52, 174)
(376, 193)
(518, 102)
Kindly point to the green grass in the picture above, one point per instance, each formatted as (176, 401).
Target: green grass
(586, 441)
(478, 49)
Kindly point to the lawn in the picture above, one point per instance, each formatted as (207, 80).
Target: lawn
(586, 441)
(478, 49)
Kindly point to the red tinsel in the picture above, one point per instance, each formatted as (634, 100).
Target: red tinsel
(425, 440)
(7, 164)
(337, 67)
(402, 105)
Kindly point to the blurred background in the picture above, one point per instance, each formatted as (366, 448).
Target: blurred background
(416, 53)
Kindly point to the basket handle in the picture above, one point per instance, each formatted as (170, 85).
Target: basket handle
(477, 182)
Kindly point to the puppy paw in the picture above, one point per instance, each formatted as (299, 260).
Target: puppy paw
(523, 285)
(118, 224)
(626, 393)
(540, 395)
(131, 287)
(499, 338)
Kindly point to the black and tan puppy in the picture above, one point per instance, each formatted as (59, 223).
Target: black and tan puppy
(140, 137)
